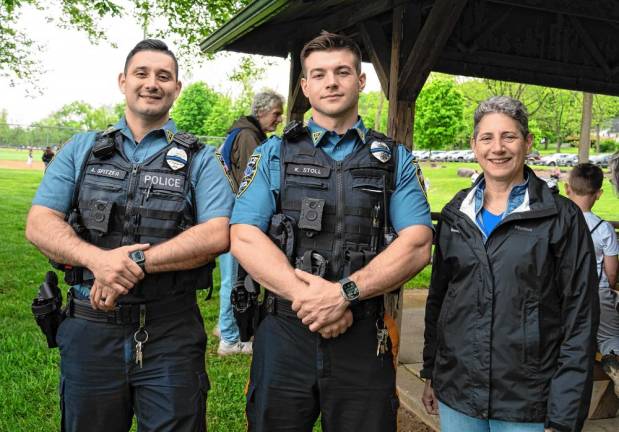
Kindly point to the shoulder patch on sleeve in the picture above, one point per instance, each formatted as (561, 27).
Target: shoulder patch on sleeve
(419, 175)
(249, 173)
(225, 169)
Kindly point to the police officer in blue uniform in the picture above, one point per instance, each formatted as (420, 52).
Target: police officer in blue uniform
(328, 218)
(136, 216)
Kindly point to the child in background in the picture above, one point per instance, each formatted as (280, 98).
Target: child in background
(584, 187)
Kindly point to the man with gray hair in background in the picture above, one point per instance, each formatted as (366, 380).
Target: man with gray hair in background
(247, 133)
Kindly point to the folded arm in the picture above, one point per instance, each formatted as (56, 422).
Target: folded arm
(191, 248)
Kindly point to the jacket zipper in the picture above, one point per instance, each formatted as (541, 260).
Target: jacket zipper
(129, 222)
(339, 211)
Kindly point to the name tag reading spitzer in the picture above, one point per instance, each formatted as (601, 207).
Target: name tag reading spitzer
(169, 182)
(308, 170)
(110, 172)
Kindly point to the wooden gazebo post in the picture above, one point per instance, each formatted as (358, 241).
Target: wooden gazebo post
(297, 102)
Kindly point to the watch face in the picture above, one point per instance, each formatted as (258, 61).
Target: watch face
(351, 290)
(137, 256)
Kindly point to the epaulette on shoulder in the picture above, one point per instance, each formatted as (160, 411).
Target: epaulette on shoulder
(294, 130)
(187, 140)
(109, 131)
(378, 136)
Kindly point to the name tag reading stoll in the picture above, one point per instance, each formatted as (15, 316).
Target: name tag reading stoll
(169, 182)
(308, 170)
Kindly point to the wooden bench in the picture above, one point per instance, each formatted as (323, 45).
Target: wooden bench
(604, 402)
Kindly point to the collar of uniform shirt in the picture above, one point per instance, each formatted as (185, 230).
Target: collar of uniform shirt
(318, 132)
(169, 129)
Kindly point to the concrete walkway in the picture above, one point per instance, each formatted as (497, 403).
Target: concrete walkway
(410, 386)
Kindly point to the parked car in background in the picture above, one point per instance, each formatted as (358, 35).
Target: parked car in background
(437, 156)
(600, 160)
(421, 155)
(559, 159)
(533, 157)
(469, 156)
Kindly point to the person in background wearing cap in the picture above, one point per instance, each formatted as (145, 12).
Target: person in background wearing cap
(136, 216)
(328, 218)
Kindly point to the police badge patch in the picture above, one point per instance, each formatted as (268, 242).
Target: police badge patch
(249, 173)
(380, 151)
(420, 178)
(176, 158)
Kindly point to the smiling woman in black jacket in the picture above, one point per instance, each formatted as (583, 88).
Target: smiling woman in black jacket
(512, 311)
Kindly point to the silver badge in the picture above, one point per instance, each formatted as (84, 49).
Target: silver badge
(380, 151)
(176, 158)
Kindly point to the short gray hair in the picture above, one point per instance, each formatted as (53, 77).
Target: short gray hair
(503, 105)
(266, 100)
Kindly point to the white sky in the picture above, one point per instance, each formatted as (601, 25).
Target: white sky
(77, 70)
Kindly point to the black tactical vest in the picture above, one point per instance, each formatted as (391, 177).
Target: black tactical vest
(118, 203)
(339, 209)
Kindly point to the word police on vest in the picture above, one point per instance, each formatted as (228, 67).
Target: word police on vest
(168, 182)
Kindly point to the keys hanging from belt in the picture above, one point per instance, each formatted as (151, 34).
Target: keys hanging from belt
(382, 337)
(140, 337)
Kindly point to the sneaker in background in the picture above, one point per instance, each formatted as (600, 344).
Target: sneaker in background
(216, 331)
(237, 347)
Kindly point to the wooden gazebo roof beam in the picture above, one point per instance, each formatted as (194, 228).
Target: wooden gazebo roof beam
(428, 46)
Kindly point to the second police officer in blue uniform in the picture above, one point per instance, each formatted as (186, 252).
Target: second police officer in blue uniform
(137, 213)
(328, 218)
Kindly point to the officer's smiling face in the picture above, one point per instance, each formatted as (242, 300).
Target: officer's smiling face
(150, 85)
(332, 84)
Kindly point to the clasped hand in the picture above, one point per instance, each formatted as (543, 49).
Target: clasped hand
(321, 306)
(115, 274)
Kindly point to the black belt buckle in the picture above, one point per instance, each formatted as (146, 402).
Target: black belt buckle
(122, 314)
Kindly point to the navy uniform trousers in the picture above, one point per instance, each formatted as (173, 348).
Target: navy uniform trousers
(296, 375)
(101, 386)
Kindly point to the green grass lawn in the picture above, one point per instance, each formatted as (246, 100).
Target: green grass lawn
(19, 155)
(29, 371)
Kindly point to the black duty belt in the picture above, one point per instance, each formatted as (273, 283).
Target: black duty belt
(130, 313)
(370, 308)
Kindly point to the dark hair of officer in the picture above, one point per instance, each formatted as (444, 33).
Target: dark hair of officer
(586, 179)
(151, 45)
(330, 41)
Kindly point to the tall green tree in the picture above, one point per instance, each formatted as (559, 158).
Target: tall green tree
(183, 22)
(203, 111)
(559, 117)
(439, 115)
(374, 110)
(80, 115)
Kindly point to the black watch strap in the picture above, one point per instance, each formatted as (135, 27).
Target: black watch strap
(139, 258)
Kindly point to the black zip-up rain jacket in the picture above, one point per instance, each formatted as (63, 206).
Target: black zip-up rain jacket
(511, 323)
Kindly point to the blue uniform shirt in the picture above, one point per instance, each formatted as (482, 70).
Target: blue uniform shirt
(257, 202)
(214, 197)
